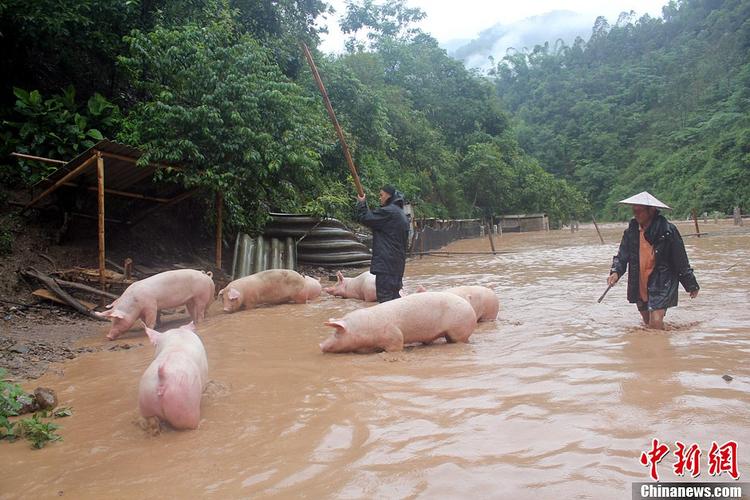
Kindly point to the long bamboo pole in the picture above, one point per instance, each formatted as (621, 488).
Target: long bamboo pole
(39, 158)
(336, 125)
(100, 182)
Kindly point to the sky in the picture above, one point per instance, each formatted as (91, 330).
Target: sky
(463, 19)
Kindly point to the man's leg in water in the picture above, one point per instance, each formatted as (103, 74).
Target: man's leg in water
(656, 322)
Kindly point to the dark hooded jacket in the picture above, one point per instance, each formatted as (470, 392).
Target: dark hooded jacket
(390, 235)
(671, 264)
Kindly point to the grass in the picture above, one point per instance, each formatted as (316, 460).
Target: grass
(34, 428)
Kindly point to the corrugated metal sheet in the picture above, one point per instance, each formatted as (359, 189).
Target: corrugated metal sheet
(252, 255)
(323, 242)
(289, 239)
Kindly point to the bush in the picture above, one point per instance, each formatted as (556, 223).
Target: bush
(55, 127)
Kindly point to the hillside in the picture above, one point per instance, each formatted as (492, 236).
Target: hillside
(657, 104)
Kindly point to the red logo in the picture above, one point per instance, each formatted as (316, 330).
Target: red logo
(721, 459)
(653, 457)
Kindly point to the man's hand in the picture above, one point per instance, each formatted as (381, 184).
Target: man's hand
(361, 198)
(693, 294)
(613, 278)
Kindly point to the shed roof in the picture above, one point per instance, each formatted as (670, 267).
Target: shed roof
(123, 177)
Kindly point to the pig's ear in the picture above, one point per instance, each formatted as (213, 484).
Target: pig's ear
(233, 294)
(221, 292)
(338, 324)
(190, 326)
(153, 335)
(117, 313)
(111, 313)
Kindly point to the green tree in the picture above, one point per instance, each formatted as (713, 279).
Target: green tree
(216, 102)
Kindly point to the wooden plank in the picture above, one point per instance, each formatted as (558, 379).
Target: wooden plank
(67, 177)
(51, 285)
(46, 294)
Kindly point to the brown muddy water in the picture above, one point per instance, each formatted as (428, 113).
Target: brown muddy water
(557, 399)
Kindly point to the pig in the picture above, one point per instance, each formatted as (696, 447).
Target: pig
(362, 287)
(483, 300)
(312, 287)
(276, 286)
(421, 317)
(172, 385)
(143, 299)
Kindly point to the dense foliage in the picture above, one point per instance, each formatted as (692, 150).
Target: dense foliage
(656, 104)
(221, 87)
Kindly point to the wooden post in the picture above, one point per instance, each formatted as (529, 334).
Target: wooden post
(695, 219)
(127, 268)
(336, 125)
(100, 182)
(597, 229)
(489, 233)
(219, 222)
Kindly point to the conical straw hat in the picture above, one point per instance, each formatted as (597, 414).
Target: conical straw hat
(644, 198)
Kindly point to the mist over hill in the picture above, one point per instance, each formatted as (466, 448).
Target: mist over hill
(494, 42)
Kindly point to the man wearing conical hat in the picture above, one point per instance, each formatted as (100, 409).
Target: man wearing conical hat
(654, 254)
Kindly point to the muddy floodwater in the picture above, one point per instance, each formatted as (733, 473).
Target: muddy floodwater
(556, 399)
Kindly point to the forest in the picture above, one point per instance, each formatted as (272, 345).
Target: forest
(645, 104)
(222, 88)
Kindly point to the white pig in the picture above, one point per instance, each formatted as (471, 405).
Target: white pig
(312, 287)
(144, 298)
(418, 318)
(172, 385)
(483, 300)
(276, 286)
(362, 287)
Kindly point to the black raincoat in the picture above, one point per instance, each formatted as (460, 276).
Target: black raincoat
(671, 264)
(390, 235)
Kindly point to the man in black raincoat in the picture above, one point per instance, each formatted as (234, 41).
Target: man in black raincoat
(390, 236)
(654, 255)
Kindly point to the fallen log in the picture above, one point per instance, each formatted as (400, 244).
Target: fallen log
(52, 286)
(85, 288)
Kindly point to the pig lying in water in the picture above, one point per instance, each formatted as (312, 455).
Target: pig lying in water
(276, 286)
(143, 299)
(483, 300)
(422, 317)
(362, 287)
(172, 385)
(312, 287)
